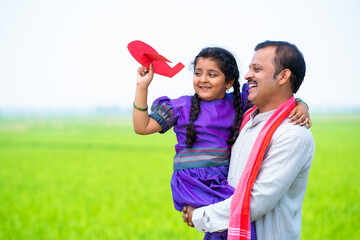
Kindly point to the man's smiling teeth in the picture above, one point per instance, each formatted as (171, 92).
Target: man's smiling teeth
(252, 84)
(204, 87)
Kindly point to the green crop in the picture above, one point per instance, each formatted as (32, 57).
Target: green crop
(94, 178)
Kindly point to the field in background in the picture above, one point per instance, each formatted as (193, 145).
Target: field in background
(93, 178)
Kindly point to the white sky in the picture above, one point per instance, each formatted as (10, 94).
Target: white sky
(73, 54)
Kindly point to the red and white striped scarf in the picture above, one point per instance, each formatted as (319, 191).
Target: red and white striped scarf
(239, 225)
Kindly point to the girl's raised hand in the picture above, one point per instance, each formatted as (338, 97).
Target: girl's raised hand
(144, 76)
(143, 124)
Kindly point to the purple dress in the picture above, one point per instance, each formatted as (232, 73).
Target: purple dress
(200, 172)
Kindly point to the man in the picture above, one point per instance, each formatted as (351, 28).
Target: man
(275, 73)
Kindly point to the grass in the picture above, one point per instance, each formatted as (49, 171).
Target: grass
(93, 178)
(331, 208)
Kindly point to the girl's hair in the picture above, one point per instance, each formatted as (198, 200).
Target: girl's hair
(226, 62)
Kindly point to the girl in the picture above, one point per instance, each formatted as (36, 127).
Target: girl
(206, 125)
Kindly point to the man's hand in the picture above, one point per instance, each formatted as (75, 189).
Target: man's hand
(187, 215)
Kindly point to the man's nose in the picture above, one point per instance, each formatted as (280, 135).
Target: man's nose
(249, 75)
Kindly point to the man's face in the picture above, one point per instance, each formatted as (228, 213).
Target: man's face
(260, 78)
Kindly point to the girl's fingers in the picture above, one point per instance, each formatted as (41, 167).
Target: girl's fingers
(309, 124)
(144, 70)
(304, 122)
(295, 117)
(151, 70)
(291, 114)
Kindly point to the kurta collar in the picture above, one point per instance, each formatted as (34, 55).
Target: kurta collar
(257, 117)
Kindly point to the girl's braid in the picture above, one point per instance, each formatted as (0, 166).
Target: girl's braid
(238, 113)
(190, 128)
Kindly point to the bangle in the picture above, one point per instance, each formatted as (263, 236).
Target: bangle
(299, 100)
(139, 108)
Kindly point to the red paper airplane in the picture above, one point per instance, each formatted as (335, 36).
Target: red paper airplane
(145, 55)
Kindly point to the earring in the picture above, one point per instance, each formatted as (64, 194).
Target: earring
(227, 90)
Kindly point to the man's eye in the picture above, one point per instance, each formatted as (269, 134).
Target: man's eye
(196, 73)
(212, 75)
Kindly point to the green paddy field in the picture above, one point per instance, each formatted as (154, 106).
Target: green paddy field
(93, 178)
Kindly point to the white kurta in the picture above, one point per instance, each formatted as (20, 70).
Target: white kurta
(279, 189)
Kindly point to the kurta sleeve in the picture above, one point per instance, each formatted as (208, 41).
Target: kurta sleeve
(212, 218)
(162, 111)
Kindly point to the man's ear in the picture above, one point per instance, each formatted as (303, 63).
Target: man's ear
(229, 84)
(284, 76)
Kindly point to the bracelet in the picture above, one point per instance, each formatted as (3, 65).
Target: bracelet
(299, 100)
(139, 108)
